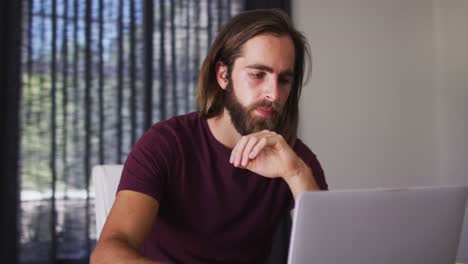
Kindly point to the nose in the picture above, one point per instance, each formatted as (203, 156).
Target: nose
(271, 90)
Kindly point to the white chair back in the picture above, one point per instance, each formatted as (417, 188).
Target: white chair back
(106, 180)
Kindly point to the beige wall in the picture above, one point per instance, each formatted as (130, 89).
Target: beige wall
(451, 37)
(373, 110)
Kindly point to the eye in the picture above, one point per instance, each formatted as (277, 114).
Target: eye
(258, 75)
(285, 81)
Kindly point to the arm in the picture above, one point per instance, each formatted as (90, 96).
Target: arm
(129, 222)
(301, 180)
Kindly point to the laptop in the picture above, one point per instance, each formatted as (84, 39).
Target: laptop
(404, 226)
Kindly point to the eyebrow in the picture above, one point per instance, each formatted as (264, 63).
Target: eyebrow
(262, 67)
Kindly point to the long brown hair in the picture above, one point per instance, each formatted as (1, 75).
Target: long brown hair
(226, 48)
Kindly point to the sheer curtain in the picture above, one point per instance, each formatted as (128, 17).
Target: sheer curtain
(95, 75)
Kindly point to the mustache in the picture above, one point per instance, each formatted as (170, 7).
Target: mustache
(274, 106)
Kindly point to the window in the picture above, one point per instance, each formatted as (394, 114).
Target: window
(85, 101)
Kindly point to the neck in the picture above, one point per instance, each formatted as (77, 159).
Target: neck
(223, 130)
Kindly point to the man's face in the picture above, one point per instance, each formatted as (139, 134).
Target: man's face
(244, 118)
(260, 83)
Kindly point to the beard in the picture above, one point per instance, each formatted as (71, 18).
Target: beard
(244, 119)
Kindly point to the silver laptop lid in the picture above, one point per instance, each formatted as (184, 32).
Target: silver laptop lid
(404, 226)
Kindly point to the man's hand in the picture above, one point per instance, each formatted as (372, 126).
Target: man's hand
(265, 153)
(268, 154)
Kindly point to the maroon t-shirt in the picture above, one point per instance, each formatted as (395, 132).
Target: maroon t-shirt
(210, 211)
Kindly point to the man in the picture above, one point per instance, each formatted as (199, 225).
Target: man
(210, 187)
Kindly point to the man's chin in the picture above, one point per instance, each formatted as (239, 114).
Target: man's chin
(259, 126)
(261, 123)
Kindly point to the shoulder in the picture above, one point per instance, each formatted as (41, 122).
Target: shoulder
(176, 127)
(169, 135)
(178, 123)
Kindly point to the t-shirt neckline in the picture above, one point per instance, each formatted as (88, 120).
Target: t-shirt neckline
(213, 139)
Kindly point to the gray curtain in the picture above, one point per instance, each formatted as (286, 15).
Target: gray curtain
(262, 4)
(96, 74)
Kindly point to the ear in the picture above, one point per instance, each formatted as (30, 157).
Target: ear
(221, 74)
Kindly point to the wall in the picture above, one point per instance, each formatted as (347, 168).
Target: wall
(451, 37)
(369, 110)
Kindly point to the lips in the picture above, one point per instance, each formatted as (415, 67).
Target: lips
(264, 111)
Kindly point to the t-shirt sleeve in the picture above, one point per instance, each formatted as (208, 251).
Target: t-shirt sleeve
(318, 172)
(148, 165)
(311, 160)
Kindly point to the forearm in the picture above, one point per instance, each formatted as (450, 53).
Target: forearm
(117, 251)
(301, 180)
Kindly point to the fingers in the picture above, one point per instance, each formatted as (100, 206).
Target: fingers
(259, 147)
(249, 147)
(237, 151)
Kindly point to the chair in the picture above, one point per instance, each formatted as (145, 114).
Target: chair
(106, 180)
